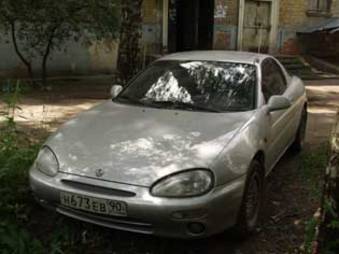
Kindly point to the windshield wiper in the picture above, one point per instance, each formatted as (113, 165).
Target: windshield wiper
(129, 99)
(184, 105)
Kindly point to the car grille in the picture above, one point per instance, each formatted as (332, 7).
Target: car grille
(116, 222)
(98, 189)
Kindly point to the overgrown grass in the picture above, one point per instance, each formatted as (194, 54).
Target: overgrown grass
(313, 168)
(16, 156)
(331, 229)
(312, 172)
(17, 206)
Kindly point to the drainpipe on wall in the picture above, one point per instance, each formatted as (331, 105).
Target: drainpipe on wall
(165, 27)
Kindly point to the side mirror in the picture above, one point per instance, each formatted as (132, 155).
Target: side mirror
(278, 102)
(115, 90)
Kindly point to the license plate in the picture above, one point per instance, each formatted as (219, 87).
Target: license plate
(94, 205)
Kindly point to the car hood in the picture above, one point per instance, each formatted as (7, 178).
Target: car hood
(138, 145)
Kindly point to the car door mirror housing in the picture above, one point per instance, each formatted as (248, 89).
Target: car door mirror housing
(115, 90)
(278, 102)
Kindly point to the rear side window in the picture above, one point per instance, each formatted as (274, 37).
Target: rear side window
(273, 79)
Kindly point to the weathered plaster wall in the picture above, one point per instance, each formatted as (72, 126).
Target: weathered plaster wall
(78, 59)
(225, 24)
(103, 56)
(152, 27)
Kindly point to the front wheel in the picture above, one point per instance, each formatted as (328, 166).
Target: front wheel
(252, 202)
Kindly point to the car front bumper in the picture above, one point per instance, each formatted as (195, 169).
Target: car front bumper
(196, 217)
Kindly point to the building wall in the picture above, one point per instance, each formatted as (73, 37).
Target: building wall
(78, 59)
(335, 8)
(101, 57)
(294, 15)
(225, 24)
(151, 41)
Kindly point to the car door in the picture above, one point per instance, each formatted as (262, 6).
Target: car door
(274, 83)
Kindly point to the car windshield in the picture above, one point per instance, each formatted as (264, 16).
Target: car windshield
(194, 85)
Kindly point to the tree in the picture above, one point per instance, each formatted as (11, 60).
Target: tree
(39, 27)
(129, 58)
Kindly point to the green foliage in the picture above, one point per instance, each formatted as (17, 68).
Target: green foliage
(310, 231)
(331, 241)
(312, 172)
(313, 169)
(16, 156)
(14, 240)
(17, 206)
(40, 21)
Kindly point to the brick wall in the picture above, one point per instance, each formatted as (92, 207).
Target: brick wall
(335, 8)
(292, 13)
(294, 16)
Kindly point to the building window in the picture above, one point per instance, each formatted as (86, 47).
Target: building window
(319, 6)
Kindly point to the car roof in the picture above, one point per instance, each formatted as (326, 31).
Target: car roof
(217, 55)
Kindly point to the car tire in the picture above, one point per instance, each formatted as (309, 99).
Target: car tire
(252, 202)
(298, 143)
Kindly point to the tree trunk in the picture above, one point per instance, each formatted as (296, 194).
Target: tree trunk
(20, 55)
(45, 57)
(44, 73)
(129, 58)
(44, 65)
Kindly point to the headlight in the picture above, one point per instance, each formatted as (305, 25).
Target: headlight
(47, 162)
(184, 184)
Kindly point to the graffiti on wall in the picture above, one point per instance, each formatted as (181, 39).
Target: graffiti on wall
(223, 33)
(220, 11)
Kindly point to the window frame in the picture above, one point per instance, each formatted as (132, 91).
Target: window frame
(316, 8)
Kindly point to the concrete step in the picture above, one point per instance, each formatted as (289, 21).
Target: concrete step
(298, 66)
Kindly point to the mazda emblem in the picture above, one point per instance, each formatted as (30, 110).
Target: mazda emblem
(99, 172)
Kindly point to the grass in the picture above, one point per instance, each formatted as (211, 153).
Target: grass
(16, 156)
(312, 173)
(25, 227)
(312, 170)
(17, 207)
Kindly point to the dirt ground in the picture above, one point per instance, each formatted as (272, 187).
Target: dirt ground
(287, 202)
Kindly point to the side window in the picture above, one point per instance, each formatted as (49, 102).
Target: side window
(273, 79)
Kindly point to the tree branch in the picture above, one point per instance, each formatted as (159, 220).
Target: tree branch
(47, 52)
(17, 50)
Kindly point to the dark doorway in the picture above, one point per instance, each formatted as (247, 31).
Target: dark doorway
(191, 25)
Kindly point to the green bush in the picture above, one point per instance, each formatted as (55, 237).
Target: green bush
(16, 157)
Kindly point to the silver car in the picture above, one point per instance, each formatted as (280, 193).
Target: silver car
(181, 151)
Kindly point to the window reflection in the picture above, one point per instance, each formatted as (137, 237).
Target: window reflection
(222, 86)
(167, 89)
